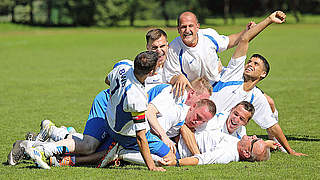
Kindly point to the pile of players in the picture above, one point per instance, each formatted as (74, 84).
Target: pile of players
(173, 105)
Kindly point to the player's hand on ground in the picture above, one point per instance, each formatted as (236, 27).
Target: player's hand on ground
(250, 25)
(180, 84)
(155, 168)
(297, 153)
(278, 17)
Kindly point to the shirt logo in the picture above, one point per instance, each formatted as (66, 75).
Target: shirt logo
(191, 61)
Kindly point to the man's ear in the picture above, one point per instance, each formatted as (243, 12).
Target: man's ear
(263, 75)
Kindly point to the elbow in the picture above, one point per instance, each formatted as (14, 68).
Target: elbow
(244, 39)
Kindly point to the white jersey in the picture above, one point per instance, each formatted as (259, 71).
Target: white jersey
(158, 78)
(171, 116)
(219, 123)
(215, 148)
(198, 61)
(172, 111)
(228, 92)
(128, 99)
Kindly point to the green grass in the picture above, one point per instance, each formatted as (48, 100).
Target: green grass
(55, 73)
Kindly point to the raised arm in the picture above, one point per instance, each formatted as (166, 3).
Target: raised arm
(241, 50)
(235, 38)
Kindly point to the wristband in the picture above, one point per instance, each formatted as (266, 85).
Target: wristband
(177, 163)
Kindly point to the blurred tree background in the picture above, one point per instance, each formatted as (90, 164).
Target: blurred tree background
(111, 12)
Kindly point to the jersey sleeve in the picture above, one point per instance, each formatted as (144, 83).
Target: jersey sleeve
(172, 66)
(263, 115)
(136, 103)
(139, 120)
(222, 41)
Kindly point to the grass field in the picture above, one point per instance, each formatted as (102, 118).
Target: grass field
(54, 73)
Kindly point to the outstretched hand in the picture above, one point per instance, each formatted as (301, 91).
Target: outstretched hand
(297, 153)
(278, 17)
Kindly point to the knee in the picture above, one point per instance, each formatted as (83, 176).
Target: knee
(87, 146)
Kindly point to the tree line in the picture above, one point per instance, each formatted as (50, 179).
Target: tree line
(111, 12)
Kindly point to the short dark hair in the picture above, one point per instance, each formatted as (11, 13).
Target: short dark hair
(145, 62)
(155, 34)
(265, 63)
(247, 106)
(210, 104)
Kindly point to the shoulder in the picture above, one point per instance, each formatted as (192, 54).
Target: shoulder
(175, 43)
(124, 63)
(258, 98)
(208, 31)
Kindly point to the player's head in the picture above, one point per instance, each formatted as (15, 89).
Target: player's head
(252, 149)
(202, 89)
(157, 41)
(145, 63)
(200, 112)
(239, 116)
(188, 27)
(256, 68)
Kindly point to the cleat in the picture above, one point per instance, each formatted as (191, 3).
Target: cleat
(65, 161)
(111, 156)
(17, 152)
(31, 136)
(37, 155)
(45, 130)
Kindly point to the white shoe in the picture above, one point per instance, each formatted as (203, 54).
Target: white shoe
(45, 130)
(38, 157)
(111, 155)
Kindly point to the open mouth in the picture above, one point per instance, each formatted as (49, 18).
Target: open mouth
(188, 34)
(249, 69)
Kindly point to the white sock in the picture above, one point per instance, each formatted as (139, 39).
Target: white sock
(58, 133)
(280, 146)
(51, 149)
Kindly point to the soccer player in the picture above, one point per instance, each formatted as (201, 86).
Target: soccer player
(238, 83)
(194, 53)
(157, 41)
(221, 148)
(233, 122)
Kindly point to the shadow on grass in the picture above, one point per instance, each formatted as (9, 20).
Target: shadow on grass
(294, 138)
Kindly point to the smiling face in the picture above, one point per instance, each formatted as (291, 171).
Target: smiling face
(188, 27)
(239, 116)
(251, 146)
(197, 115)
(254, 69)
(161, 47)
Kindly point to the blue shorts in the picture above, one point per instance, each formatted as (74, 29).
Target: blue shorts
(96, 124)
(156, 146)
